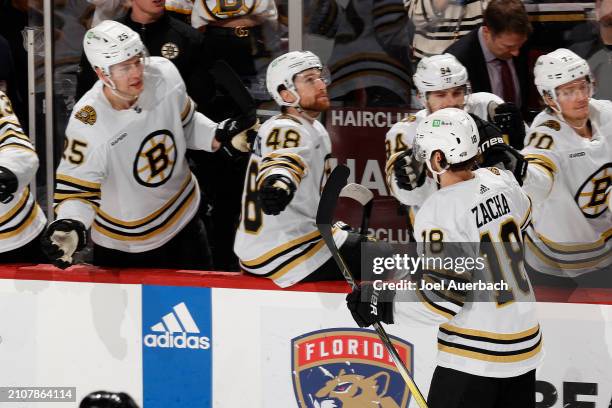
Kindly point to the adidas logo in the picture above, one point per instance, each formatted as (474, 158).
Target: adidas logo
(174, 329)
(483, 189)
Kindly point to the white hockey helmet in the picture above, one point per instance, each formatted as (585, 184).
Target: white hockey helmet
(110, 43)
(450, 130)
(439, 72)
(283, 69)
(558, 68)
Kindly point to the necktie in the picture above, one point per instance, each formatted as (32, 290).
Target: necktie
(507, 82)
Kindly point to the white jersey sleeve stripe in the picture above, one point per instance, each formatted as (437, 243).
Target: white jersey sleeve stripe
(15, 229)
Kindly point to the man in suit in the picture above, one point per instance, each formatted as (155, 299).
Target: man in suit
(492, 53)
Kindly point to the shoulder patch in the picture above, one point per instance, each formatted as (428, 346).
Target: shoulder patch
(494, 170)
(87, 115)
(409, 118)
(553, 124)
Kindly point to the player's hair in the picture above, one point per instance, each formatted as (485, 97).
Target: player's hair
(502, 16)
(469, 164)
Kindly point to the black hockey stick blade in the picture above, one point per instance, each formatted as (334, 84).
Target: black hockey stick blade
(231, 82)
(329, 197)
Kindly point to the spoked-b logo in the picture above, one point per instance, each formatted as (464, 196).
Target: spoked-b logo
(177, 329)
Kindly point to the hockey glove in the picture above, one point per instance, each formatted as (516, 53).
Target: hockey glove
(276, 193)
(496, 153)
(236, 135)
(409, 173)
(8, 184)
(367, 307)
(62, 239)
(509, 119)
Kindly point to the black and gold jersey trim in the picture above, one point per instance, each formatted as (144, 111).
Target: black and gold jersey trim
(151, 225)
(477, 353)
(71, 188)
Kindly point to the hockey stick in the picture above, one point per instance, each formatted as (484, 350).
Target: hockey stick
(325, 213)
(231, 82)
(365, 197)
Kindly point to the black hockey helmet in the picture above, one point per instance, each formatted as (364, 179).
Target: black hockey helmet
(105, 399)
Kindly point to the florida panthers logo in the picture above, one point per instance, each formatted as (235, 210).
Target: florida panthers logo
(155, 159)
(348, 368)
(591, 197)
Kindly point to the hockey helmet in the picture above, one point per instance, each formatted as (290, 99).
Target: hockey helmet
(439, 72)
(282, 71)
(450, 130)
(110, 43)
(558, 68)
(105, 399)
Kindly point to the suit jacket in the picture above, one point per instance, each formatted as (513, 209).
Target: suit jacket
(469, 52)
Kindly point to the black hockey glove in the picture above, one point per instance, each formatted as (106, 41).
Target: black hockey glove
(508, 158)
(276, 193)
(62, 239)
(409, 173)
(236, 135)
(367, 307)
(509, 119)
(496, 153)
(8, 184)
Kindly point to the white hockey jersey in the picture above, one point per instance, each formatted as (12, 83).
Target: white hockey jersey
(206, 11)
(489, 333)
(21, 219)
(286, 247)
(179, 6)
(568, 177)
(436, 30)
(401, 137)
(124, 171)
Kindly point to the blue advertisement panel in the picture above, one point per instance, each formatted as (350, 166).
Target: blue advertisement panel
(176, 347)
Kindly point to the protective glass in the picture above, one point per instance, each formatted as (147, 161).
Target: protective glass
(582, 89)
(124, 69)
(456, 92)
(312, 78)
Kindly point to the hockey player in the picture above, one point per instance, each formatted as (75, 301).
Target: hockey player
(124, 171)
(569, 149)
(21, 219)
(442, 82)
(489, 341)
(277, 237)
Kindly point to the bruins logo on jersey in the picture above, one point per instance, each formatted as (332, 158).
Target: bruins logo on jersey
(229, 8)
(592, 195)
(155, 159)
(553, 124)
(170, 50)
(87, 115)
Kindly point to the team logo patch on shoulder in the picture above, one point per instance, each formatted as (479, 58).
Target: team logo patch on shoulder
(409, 118)
(494, 170)
(348, 368)
(553, 124)
(170, 50)
(87, 115)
